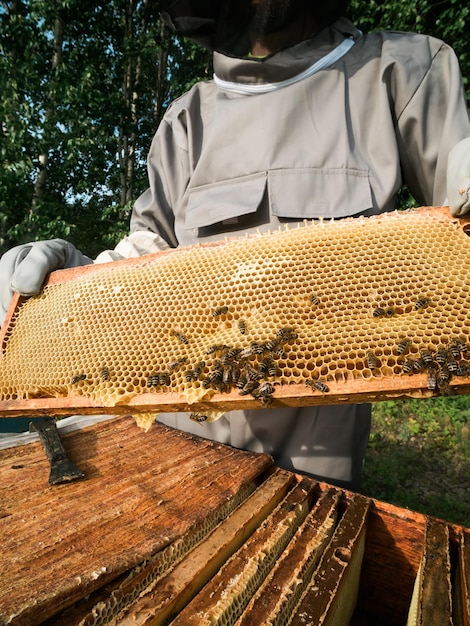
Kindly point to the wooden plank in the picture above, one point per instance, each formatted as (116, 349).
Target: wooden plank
(170, 594)
(331, 595)
(395, 538)
(344, 392)
(431, 602)
(141, 492)
(461, 589)
(275, 599)
(226, 595)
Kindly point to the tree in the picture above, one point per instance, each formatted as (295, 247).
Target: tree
(82, 90)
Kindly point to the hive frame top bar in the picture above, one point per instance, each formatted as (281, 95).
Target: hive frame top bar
(358, 390)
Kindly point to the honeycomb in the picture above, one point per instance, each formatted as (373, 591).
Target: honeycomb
(317, 304)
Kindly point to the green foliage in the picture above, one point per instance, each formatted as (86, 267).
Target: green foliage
(85, 85)
(419, 456)
(79, 84)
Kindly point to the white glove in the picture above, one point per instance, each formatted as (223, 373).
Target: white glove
(458, 178)
(24, 268)
(136, 244)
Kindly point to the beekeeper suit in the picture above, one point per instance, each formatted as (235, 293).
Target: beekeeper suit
(305, 117)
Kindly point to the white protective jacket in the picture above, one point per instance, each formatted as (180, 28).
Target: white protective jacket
(384, 111)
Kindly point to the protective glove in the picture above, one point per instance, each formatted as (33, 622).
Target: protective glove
(136, 244)
(24, 268)
(458, 178)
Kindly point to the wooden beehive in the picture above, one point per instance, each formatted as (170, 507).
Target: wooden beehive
(171, 528)
(354, 310)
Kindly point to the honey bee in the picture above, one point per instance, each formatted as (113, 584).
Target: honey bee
(253, 373)
(287, 333)
(443, 378)
(246, 353)
(227, 375)
(235, 373)
(408, 366)
(242, 380)
(152, 380)
(422, 303)
(454, 350)
(264, 393)
(218, 366)
(277, 350)
(249, 387)
(198, 417)
(462, 370)
(76, 379)
(418, 365)
(220, 310)
(232, 354)
(460, 345)
(263, 398)
(451, 363)
(198, 369)
(444, 375)
(314, 299)
(403, 345)
(218, 347)
(266, 365)
(180, 337)
(266, 387)
(242, 326)
(158, 379)
(212, 378)
(273, 369)
(372, 360)
(378, 312)
(164, 378)
(175, 364)
(104, 373)
(441, 355)
(431, 381)
(426, 355)
(317, 385)
(257, 348)
(271, 346)
(443, 387)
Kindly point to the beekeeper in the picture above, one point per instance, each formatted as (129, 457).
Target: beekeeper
(305, 117)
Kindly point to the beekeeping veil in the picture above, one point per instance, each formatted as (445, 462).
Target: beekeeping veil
(224, 25)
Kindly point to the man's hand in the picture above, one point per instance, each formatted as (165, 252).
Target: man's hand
(458, 178)
(24, 268)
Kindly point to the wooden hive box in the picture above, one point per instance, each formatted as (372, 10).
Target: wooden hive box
(171, 528)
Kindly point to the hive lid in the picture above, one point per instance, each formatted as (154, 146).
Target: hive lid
(356, 310)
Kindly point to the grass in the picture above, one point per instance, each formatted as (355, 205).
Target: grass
(419, 456)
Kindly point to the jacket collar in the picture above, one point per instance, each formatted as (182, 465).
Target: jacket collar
(285, 64)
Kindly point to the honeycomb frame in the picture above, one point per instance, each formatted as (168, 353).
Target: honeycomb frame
(257, 322)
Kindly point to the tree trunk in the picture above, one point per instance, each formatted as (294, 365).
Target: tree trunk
(43, 157)
(162, 69)
(132, 82)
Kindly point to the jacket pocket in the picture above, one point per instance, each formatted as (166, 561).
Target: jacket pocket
(312, 192)
(226, 202)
